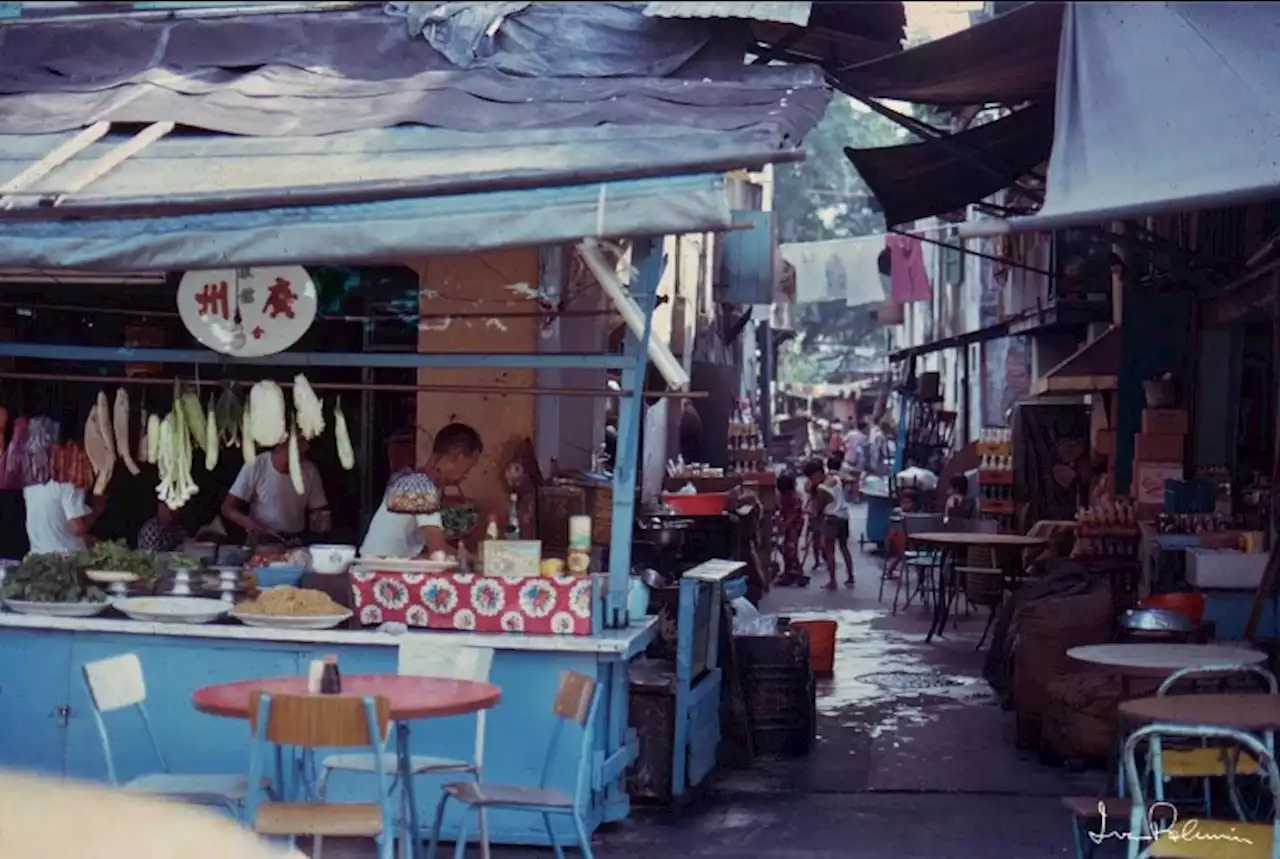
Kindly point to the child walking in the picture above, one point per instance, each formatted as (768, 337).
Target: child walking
(791, 521)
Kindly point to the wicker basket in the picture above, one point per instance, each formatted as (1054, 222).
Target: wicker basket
(600, 509)
(1047, 629)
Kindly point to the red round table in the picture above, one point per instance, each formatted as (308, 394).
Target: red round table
(410, 697)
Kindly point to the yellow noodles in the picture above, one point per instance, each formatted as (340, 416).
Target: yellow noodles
(288, 601)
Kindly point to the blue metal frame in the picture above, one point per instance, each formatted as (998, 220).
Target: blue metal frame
(647, 260)
(92, 354)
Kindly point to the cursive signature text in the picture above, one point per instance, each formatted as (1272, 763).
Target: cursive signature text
(1162, 822)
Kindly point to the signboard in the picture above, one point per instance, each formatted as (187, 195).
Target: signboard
(248, 312)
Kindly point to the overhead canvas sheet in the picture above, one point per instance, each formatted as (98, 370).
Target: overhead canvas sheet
(1162, 107)
(390, 230)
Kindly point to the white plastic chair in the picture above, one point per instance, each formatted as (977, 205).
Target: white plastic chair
(117, 683)
(426, 659)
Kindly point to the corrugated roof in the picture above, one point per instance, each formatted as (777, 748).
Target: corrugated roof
(796, 14)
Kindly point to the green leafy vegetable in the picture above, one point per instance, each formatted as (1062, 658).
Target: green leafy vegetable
(116, 557)
(458, 520)
(50, 578)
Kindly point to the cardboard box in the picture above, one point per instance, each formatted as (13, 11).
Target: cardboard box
(1104, 442)
(1149, 477)
(1169, 421)
(1158, 447)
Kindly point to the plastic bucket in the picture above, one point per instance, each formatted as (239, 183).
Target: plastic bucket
(822, 645)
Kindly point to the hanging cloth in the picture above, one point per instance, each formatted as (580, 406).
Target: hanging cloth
(910, 281)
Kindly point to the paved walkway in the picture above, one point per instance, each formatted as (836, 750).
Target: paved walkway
(914, 759)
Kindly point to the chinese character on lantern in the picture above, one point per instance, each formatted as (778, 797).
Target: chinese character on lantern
(212, 300)
(280, 299)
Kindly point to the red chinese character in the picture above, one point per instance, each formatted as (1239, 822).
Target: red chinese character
(212, 300)
(258, 332)
(280, 299)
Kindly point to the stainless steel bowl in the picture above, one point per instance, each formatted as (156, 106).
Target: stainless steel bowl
(1155, 620)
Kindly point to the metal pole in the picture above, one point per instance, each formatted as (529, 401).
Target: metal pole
(766, 382)
(647, 262)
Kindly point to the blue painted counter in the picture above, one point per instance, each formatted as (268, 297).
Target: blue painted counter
(48, 725)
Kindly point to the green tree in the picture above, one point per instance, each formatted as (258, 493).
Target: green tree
(823, 198)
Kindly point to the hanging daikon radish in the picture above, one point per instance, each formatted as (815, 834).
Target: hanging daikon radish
(246, 437)
(100, 417)
(346, 455)
(307, 408)
(120, 419)
(266, 405)
(153, 439)
(295, 463)
(210, 438)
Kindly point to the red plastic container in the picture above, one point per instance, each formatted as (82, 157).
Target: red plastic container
(1190, 605)
(701, 504)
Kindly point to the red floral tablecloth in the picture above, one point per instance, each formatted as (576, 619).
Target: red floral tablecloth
(557, 606)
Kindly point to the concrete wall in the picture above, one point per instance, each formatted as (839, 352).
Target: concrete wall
(496, 282)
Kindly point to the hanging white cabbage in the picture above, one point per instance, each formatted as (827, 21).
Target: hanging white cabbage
(266, 405)
(346, 455)
(308, 410)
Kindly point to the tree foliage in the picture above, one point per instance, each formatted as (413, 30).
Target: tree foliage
(823, 198)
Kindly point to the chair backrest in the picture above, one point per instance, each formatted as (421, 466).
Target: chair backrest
(116, 682)
(1140, 835)
(319, 721)
(430, 658)
(577, 698)
(1218, 670)
(921, 523)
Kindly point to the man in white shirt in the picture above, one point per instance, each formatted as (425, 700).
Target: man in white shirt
(855, 441)
(58, 516)
(264, 502)
(455, 451)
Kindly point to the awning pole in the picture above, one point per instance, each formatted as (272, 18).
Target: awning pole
(60, 155)
(659, 353)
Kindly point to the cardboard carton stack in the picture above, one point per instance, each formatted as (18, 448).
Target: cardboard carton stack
(1158, 454)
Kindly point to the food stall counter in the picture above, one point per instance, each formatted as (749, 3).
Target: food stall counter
(45, 694)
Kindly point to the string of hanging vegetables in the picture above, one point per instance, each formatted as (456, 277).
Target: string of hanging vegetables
(170, 440)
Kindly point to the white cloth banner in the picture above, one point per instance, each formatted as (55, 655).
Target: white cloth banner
(836, 269)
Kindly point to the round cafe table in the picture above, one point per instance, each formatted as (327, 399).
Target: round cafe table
(1255, 713)
(409, 697)
(949, 543)
(1157, 661)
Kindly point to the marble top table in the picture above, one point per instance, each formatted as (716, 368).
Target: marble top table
(1161, 660)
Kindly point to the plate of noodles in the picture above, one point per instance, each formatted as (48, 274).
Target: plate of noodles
(287, 607)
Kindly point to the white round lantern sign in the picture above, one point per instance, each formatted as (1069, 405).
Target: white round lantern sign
(248, 312)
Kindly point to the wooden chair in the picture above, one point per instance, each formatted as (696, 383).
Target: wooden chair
(426, 659)
(576, 701)
(1201, 838)
(982, 583)
(116, 684)
(305, 723)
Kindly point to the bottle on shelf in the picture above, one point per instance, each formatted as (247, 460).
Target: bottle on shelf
(513, 517)
(331, 678)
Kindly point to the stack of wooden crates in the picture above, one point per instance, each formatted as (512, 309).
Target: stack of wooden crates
(1158, 455)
